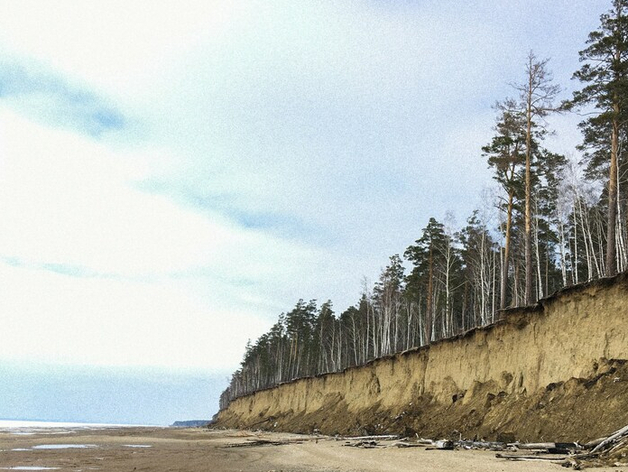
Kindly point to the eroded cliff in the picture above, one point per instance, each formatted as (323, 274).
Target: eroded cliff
(556, 371)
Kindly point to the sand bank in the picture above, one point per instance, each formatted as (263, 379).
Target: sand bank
(195, 450)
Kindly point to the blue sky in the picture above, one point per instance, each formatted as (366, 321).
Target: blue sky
(174, 175)
(113, 395)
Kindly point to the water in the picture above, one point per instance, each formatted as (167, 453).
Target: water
(64, 446)
(25, 428)
(28, 467)
(20, 424)
(53, 427)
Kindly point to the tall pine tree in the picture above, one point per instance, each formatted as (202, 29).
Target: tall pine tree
(605, 73)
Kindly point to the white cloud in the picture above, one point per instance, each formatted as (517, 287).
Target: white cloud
(59, 319)
(70, 200)
(115, 45)
(128, 258)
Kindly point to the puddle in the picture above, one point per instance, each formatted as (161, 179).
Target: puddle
(29, 467)
(64, 446)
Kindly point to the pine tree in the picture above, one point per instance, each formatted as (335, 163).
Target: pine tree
(605, 71)
(505, 155)
(537, 95)
(431, 279)
(550, 169)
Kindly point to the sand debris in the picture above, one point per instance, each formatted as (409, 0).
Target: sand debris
(598, 452)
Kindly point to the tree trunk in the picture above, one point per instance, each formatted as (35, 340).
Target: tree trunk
(448, 317)
(482, 283)
(430, 289)
(611, 263)
(494, 286)
(504, 283)
(528, 195)
(537, 253)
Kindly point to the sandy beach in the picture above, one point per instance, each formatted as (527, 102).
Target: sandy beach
(194, 450)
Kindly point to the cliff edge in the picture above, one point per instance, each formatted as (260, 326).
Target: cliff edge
(555, 371)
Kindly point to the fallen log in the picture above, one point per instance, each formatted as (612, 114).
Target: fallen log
(491, 446)
(611, 439)
(592, 444)
(406, 444)
(362, 444)
(381, 437)
(425, 442)
(533, 445)
(517, 457)
(442, 445)
(618, 445)
(262, 442)
(549, 447)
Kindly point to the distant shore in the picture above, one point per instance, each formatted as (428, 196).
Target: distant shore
(200, 449)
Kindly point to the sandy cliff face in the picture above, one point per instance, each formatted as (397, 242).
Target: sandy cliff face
(556, 371)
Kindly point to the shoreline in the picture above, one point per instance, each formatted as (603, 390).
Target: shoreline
(197, 449)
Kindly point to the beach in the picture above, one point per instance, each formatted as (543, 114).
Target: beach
(117, 449)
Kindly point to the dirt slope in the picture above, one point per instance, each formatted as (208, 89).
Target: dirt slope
(553, 371)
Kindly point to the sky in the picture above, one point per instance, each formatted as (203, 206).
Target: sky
(174, 175)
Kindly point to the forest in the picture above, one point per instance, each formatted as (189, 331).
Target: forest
(554, 223)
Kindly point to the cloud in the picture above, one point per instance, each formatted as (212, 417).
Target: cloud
(65, 269)
(41, 95)
(101, 271)
(117, 47)
(70, 201)
(60, 319)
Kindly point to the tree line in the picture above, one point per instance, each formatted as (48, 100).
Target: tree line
(556, 223)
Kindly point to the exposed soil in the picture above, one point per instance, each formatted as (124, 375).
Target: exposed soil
(560, 412)
(556, 371)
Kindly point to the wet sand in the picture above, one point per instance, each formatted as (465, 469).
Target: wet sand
(197, 450)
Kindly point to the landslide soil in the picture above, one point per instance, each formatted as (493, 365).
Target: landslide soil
(197, 450)
(581, 409)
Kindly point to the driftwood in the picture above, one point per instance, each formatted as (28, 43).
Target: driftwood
(611, 440)
(572, 459)
(592, 444)
(262, 442)
(567, 454)
(442, 445)
(406, 444)
(425, 442)
(517, 457)
(362, 444)
(382, 437)
(533, 445)
(549, 447)
(269, 442)
(368, 442)
(485, 445)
